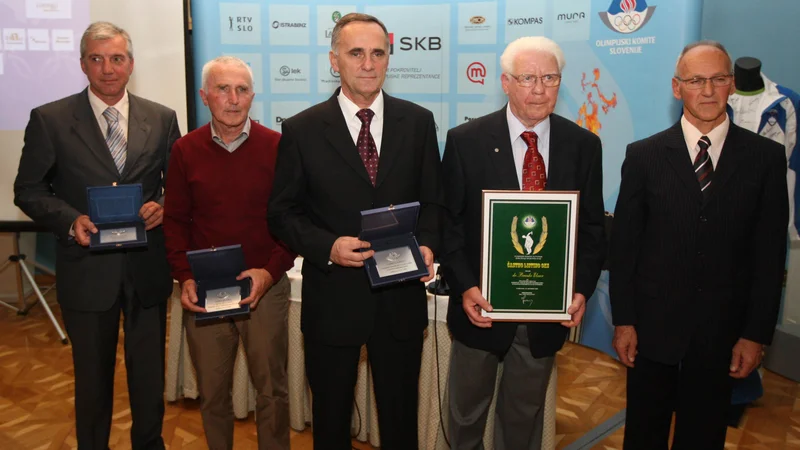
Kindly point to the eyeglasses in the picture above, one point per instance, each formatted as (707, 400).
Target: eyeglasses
(700, 82)
(528, 80)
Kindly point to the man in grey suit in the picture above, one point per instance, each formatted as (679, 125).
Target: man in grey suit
(100, 137)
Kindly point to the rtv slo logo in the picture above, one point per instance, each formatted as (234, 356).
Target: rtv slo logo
(240, 23)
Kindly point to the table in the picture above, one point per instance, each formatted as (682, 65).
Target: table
(181, 380)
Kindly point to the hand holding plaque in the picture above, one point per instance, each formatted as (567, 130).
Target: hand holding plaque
(397, 255)
(114, 212)
(219, 289)
(348, 251)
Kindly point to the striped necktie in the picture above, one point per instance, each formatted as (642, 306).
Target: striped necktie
(115, 138)
(703, 167)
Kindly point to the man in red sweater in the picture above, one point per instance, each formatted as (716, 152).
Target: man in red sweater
(219, 182)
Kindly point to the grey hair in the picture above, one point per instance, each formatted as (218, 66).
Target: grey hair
(226, 60)
(101, 31)
(350, 18)
(527, 44)
(704, 43)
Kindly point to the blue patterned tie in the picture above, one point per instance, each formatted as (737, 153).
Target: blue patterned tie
(115, 139)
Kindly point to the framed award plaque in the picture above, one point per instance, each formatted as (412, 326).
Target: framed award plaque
(528, 254)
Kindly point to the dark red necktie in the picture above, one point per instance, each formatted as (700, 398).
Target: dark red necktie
(534, 175)
(366, 145)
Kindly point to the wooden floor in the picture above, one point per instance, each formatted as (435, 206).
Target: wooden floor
(36, 404)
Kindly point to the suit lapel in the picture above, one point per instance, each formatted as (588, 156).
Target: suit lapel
(338, 136)
(561, 156)
(731, 157)
(678, 157)
(88, 130)
(500, 153)
(138, 132)
(393, 138)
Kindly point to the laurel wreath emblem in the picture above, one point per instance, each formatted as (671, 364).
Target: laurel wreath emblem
(515, 237)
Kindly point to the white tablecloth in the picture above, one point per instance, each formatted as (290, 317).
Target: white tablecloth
(181, 380)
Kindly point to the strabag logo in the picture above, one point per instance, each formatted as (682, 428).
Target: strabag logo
(627, 16)
(425, 43)
(277, 24)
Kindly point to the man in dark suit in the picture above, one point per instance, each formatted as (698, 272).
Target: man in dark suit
(100, 137)
(359, 150)
(522, 146)
(697, 259)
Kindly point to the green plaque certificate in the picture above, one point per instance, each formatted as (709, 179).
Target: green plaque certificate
(528, 266)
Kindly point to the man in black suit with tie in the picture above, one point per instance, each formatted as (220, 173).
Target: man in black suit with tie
(697, 260)
(100, 137)
(359, 150)
(522, 146)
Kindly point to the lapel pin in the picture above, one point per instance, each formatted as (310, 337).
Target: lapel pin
(497, 150)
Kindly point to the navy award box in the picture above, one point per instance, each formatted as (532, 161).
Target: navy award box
(114, 210)
(390, 232)
(218, 291)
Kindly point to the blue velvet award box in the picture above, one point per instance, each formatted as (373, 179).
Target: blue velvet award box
(218, 291)
(390, 232)
(114, 210)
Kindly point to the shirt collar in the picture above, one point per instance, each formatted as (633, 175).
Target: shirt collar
(515, 127)
(245, 131)
(349, 108)
(99, 106)
(717, 136)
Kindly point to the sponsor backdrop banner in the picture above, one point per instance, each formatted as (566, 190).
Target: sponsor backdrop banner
(445, 56)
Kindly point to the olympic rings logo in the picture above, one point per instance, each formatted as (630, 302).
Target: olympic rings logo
(627, 21)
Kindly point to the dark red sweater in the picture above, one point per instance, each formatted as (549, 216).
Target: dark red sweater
(215, 198)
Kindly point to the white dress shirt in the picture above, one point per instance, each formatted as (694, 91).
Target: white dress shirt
(349, 110)
(716, 136)
(99, 106)
(519, 147)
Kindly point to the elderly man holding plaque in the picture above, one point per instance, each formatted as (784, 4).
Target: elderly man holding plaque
(697, 260)
(219, 183)
(360, 150)
(522, 147)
